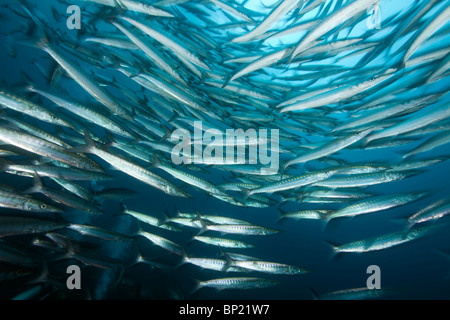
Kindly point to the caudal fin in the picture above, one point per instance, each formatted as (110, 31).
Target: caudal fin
(4, 164)
(85, 148)
(197, 286)
(334, 250)
(37, 184)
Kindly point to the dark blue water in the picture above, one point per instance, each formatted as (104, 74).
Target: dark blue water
(414, 269)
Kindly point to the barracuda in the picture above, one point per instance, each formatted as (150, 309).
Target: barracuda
(362, 180)
(108, 106)
(168, 42)
(35, 131)
(213, 218)
(154, 56)
(136, 6)
(329, 148)
(27, 107)
(385, 241)
(85, 112)
(131, 169)
(100, 233)
(28, 204)
(434, 211)
(305, 214)
(237, 283)
(238, 229)
(270, 267)
(210, 264)
(67, 199)
(385, 112)
(279, 11)
(162, 242)
(113, 42)
(46, 149)
(11, 225)
(53, 172)
(222, 242)
(334, 96)
(363, 293)
(374, 204)
(427, 31)
(84, 80)
(148, 219)
(331, 22)
(430, 144)
(194, 181)
(424, 117)
(292, 183)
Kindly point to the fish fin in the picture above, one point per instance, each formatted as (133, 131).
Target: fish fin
(282, 213)
(133, 113)
(166, 218)
(192, 237)
(110, 140)
(84, 148)
(329, 224)
(406, 231)
(33, 17)
(184, 256)
(179, 265)
(87, 137)
(55, 76)
(44, 275)
(247, 194)
(335, 250)
(204, 227)
(4, 164)
(228, 259)
(283, 169)
(197, 287)
(37, 184)
(121, 211)
(155, 161)
(175, 116)
(313, 292)
(227, 81)
(167, 134)
(139, 259)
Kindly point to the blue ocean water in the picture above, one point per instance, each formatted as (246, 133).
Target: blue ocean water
(413, 270)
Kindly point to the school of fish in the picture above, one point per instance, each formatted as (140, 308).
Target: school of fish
(88, 128)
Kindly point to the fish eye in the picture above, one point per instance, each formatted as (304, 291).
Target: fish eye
(43, 206)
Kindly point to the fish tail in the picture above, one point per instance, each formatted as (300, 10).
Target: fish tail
(204, 227)
(197, 287)
(85, 148)
(313, 292)
(184, 256)
(155, 162)
(121, 211)
(335, 250)
(42, 42)
(4, 164)
(37, 184)
(229, 261)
